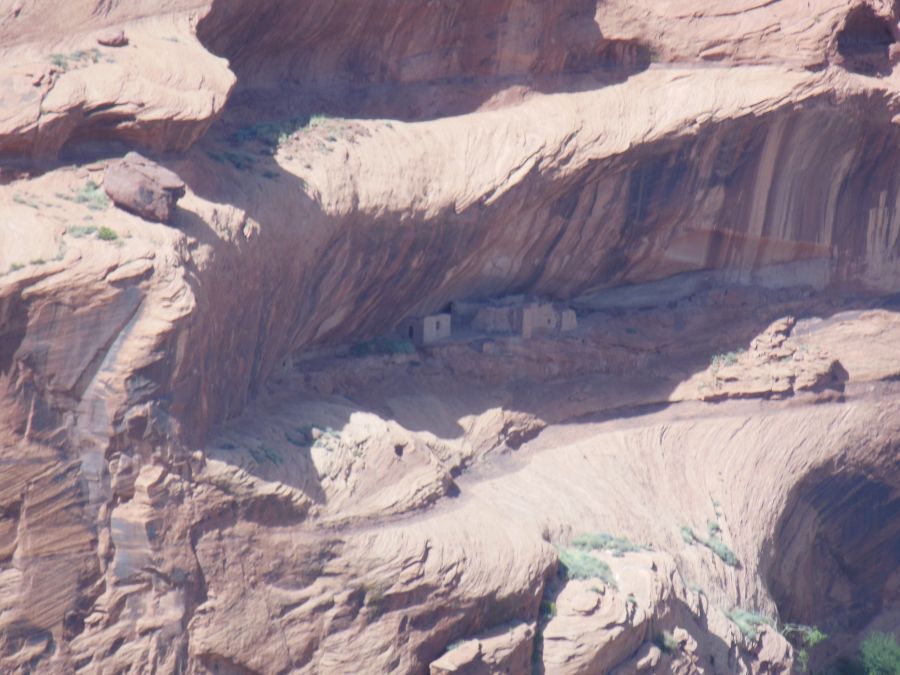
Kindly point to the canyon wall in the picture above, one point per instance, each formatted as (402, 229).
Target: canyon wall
(351, 164)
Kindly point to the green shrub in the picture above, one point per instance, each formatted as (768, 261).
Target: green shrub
(881, 654)
(264, 453)
(808, 636)
(374, 598)
(578, 564)
(548, 610)
(383, 346)
(603, 541)
(26, 200)
(317, 120)
(453, 645)
(107, 234)
(79, 231)
(15, 267)
(696, 588)
(718, 547)
(747, 621)
(310, 435)
(725, 359)
(712, 542)
(92, 196)
(666, 642)
(92, 55)
(804, 638)
(61, 61)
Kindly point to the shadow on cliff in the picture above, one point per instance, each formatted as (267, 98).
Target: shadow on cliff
(354, 60)
(835, 552)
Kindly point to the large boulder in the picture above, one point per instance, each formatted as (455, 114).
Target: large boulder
(143, 187)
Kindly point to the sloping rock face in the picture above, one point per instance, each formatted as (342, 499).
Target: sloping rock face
(199, 478)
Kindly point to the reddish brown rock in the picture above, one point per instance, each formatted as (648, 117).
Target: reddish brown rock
(142, 186)
(364, 514)
(112, 38)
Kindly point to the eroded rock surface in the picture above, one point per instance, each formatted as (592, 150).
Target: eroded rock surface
(200, 475)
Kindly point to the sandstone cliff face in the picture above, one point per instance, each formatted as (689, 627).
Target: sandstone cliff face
(350, 164)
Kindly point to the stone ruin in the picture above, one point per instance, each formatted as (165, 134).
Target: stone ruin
(424, 330)
(515, 315)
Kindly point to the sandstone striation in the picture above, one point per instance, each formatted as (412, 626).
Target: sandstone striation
(217, 455)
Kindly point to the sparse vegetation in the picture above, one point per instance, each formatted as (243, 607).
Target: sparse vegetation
(695, 588)
(26, 200)
(239, 160)
(804, 638)
(748, 622)
(37, 261)
(880, 654)
(719, 547)
(666, 642)
(79, 231)
(713, 542)
(631, 601)
(92, 55)
(374, 599)
(548, 610)
(310, 435)
(107, 234)
(577, 564)
(453, 645)
(90, 195)
(603, 541)
(79, 57)
(15, 267)
(382, 346)
(725, 359)
(264, 453)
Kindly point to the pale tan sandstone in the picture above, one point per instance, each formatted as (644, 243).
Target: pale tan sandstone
(196, 478)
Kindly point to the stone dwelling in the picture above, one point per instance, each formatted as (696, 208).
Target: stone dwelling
(424, 330)
(516, 315)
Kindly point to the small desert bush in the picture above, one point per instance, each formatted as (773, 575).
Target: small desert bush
(26, 200)
(311, 435)
(713, 542)
(880, 654)
(577, 564)
(725, 359)
(747, 622)
(79, 231)
(603, 541)
(804, 638)
(383, 346)
(91, 196)
(719, 547)
(666, 642)
(107, 234)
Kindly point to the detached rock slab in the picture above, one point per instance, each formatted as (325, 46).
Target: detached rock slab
(112, 38)
(143, 187)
